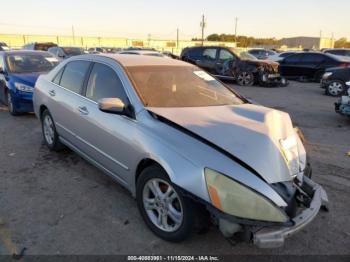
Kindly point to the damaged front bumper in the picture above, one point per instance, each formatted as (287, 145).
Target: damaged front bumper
(273, 79)
(272, 237)
(270, 234)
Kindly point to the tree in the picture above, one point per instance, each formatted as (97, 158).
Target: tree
(342, 43)
(213, 37)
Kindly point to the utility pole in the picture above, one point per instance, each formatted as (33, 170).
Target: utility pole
(73, 34)
(149, 39)
(236, 22)
(203, 25)
(177, 37)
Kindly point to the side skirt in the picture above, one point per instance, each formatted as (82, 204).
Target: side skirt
(97, 165)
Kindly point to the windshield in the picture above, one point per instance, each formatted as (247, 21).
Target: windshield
(179, 86)
(72, 51)
(247, 56)
(27, 63)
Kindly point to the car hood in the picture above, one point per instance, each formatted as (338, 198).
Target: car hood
(27, 78)
(271, 66)
(249, 132)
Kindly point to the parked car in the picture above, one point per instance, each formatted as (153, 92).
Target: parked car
(95, 50)
(280, 56)
(343, 105)
(4, 47)
(334, 81)
(310, 66)
(338, 51)
(19, 71)
(188, 148)
(65, 52)
(142, 52)
(39, 46)
(262, 54)
(225, 63)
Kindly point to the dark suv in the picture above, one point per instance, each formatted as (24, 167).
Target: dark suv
(224, 63)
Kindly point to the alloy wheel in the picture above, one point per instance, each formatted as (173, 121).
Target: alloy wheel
(162, 205)
(245, 79)
(49, 132)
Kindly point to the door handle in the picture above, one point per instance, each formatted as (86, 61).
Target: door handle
(52, 93)
(83, 110)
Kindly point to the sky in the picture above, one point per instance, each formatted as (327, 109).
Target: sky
(161, 18)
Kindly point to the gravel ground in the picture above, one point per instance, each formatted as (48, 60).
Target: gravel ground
(57, 203)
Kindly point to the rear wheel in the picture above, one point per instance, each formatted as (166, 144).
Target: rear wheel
(168, 214)
(245, 78)
(335, 88)
(50, 134)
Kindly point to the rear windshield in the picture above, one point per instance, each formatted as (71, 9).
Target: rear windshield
(72, 51)
(27, 63)
(179, 86)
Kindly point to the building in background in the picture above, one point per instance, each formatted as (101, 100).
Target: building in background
(305, 42)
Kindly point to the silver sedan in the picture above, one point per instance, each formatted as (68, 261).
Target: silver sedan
(190, 150)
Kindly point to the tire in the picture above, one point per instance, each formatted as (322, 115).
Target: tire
(245, 78)
(10, 105)
(50, 134)
(335, 88)
(154, 178)
(284, 82)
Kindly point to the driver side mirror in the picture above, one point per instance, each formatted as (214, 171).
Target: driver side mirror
(112, 105)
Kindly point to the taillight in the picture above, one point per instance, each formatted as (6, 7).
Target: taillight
(344, 65)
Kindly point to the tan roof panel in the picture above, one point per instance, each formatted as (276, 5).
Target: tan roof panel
(127, 60)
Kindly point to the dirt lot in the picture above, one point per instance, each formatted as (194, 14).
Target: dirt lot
(57, 203)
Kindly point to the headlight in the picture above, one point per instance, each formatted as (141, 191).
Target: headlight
(327, 74)
(24, 88)
(235, 199)
(290, 152)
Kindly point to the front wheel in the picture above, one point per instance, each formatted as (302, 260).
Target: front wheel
(245, 78)
(165, 210)
(49, 132)
(10, 105)
(335, 88)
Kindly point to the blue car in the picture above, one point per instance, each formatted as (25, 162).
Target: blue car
(19, 71)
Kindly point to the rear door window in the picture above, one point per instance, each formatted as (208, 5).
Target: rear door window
(194, 52)
(313, 58)
(293, 58)
(74, 75)
(210, 53)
